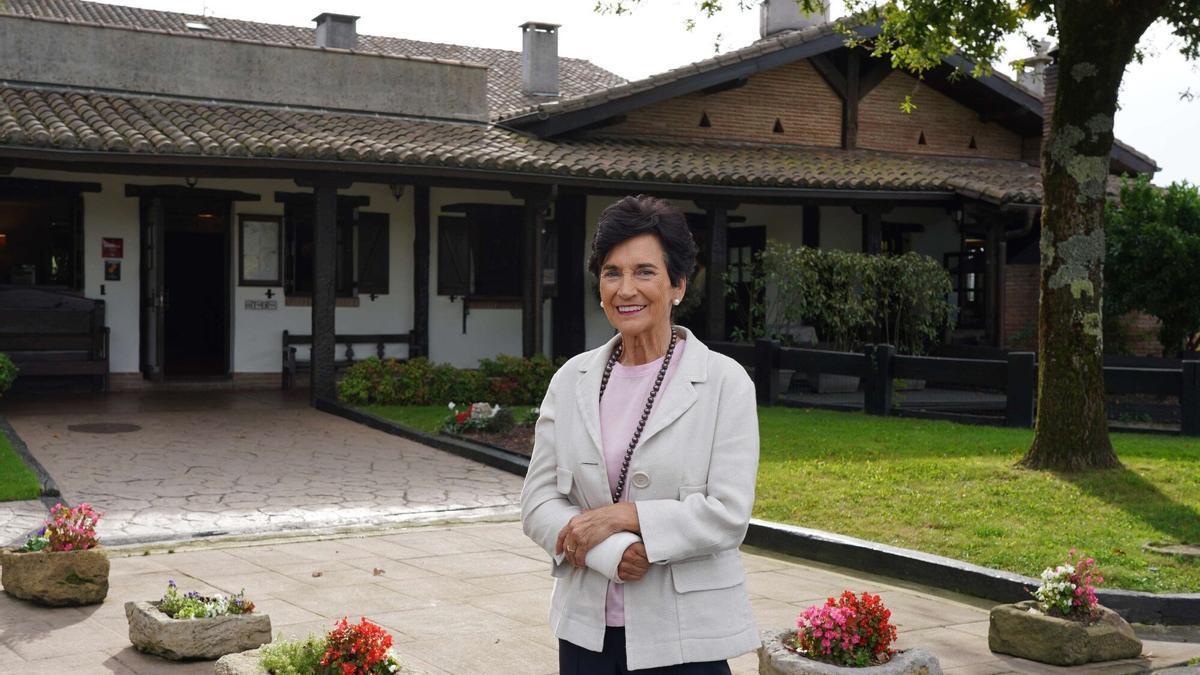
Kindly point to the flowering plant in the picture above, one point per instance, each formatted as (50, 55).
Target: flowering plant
(478, 417)
(847, 630)
(192, 605)
(1069, 590)
(358, 649)
(67, 529)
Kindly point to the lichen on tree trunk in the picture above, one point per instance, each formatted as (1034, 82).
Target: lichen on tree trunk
(1096, 42)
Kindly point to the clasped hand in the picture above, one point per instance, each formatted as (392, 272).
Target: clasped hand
(586, 530)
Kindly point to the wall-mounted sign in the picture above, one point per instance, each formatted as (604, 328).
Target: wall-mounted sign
(260, 239)
(262, 304)
(112, 247)
(112, 270)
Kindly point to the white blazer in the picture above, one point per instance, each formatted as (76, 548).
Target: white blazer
(692, 480)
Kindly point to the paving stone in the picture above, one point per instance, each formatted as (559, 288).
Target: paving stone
(18, 518)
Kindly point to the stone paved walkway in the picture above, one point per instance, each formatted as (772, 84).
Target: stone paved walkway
(462, 599)
(210, 463)
(18, 518)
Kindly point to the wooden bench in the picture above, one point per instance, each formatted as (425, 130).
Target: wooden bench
(51, 333)
(292, 366)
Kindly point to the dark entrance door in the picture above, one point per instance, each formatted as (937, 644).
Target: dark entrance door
(744, 244)
(194, 295)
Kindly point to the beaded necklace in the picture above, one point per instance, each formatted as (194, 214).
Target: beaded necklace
(637, 434)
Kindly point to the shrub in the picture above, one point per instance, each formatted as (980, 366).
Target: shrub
(849, 298)
(8, 373)
(192, 605)
(847, 631)
(506, 380)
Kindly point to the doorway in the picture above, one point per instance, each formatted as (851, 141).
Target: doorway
(186, 287)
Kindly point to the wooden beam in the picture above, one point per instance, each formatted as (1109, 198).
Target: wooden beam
(36, 186)
(184, 192)
(874, 71)
(736, 83)
(829, 72)
(422, 227)
(324, 329)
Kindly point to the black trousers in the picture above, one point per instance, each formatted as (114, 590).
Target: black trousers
(575, 660)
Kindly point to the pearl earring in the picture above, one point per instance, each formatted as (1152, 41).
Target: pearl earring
(677, 300)
(601, 304)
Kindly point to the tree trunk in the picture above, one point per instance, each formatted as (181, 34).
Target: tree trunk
(1097, 40)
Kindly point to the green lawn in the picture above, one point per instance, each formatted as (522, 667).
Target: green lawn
(17, 481)
(427, 418)
(954, 490)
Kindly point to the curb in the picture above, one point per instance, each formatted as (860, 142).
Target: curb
(1181, 609)
(48, 486)
(494, 457)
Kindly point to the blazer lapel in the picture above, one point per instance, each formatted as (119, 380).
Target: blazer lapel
(678, 395)
(587, 393)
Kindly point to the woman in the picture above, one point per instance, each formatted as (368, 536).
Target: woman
(643, 470)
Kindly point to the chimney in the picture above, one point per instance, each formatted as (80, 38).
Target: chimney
(337, 30)
(1051, 89)
(1032, 75)
(539, 58)
(777, 16)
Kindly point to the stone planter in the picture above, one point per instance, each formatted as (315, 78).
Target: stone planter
(56, 578)
(153, 632)
(248, 663)
(776, 659)
(1016, 631)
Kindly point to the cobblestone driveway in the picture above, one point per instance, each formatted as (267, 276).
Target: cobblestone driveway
(239, 463)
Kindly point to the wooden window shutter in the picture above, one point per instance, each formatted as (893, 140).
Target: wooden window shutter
(373, 267)
(454, 256)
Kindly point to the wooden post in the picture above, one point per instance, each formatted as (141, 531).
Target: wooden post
(766, 380)
(716, 217)
(877, 394)
(850, 104)
(570, 215)
(1021, 382)
(419, 345)
(872, 231)
(991, 283)
(324, 292)
(1189, 399)
(534, 220)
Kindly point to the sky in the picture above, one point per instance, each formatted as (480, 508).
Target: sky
(1153, 117)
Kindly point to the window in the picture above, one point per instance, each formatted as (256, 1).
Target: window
(40, 242)
(361, 237)
(480, 256)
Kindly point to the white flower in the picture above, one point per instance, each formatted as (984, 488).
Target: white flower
(451, 406)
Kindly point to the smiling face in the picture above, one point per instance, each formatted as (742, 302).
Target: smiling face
(635, 287)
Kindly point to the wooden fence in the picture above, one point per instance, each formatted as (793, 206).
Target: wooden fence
(1015, 374)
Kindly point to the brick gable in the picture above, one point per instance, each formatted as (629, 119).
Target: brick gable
(809, 112)
(946, 124)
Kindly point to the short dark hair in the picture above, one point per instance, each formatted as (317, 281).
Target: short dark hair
(634, 216)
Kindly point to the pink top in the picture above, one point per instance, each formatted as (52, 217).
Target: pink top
(620, 409)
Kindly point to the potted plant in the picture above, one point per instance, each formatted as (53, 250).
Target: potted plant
(8, 373)
(62, 564)
(193, 626)
(1064, 625)
(348, 649)
(848, 634)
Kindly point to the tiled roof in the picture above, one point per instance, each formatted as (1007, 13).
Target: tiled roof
(39, 118)
(576, 76)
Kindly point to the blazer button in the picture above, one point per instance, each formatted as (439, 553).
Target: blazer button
(640, 479)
